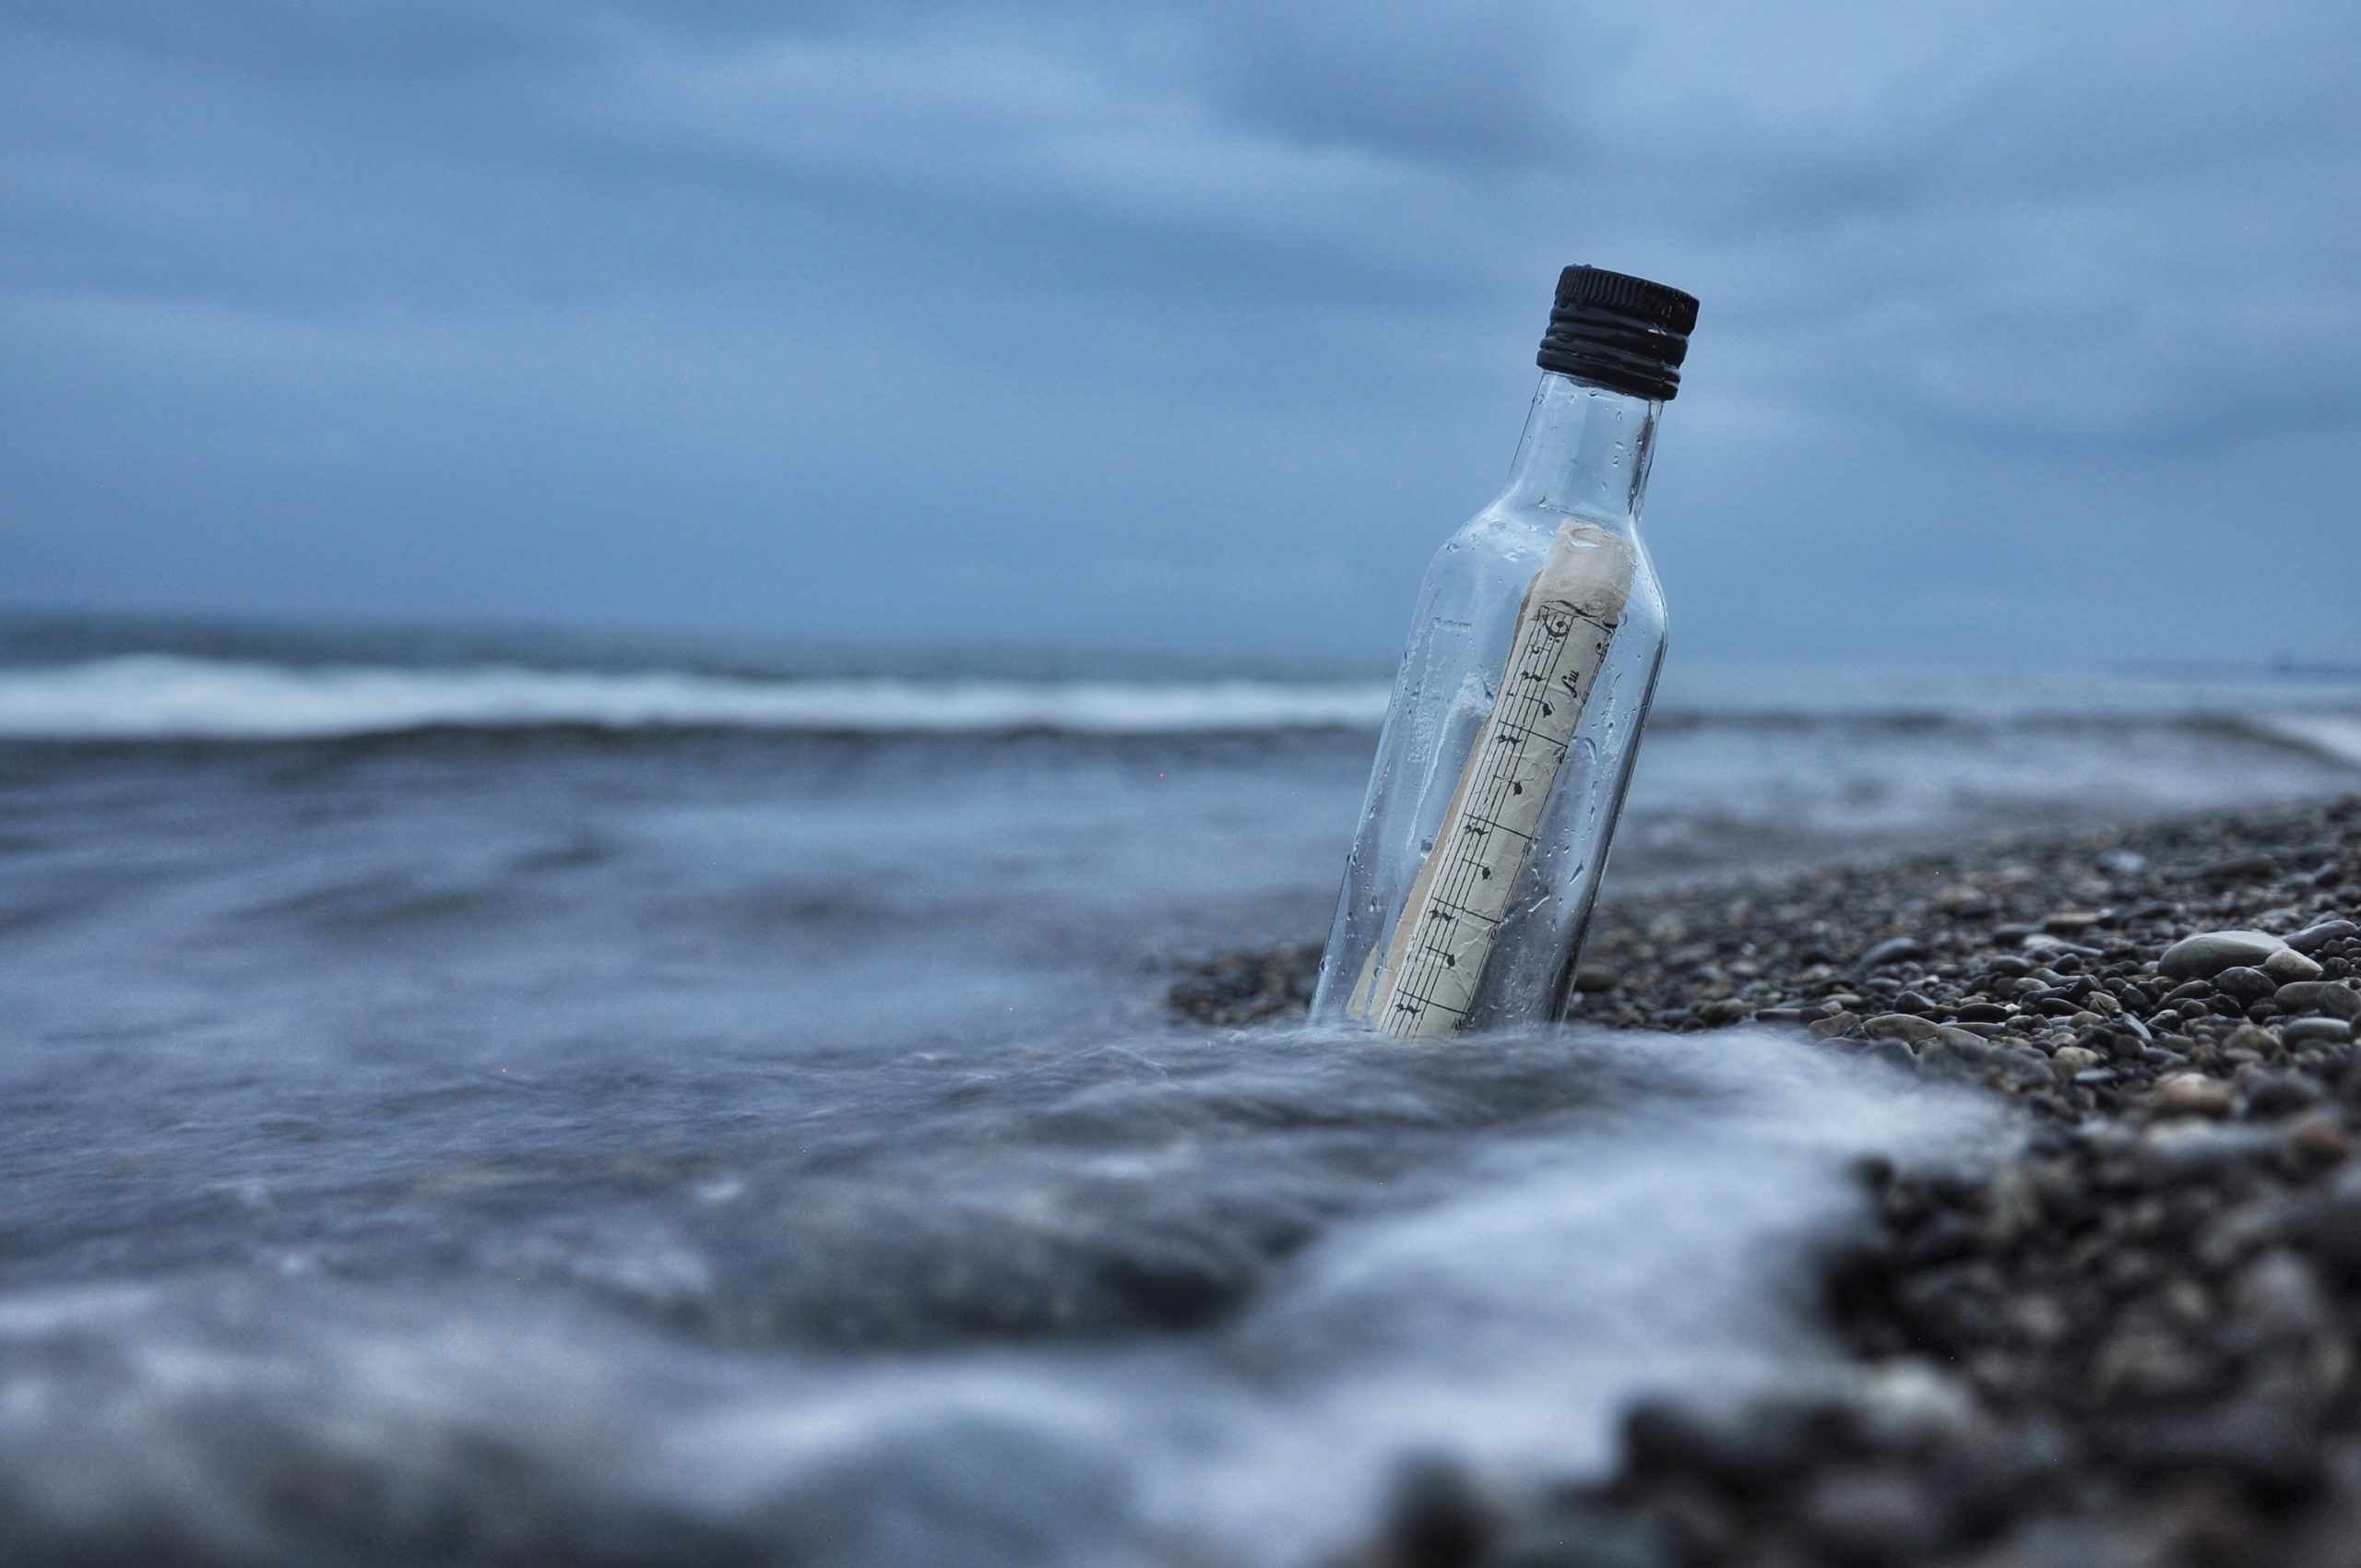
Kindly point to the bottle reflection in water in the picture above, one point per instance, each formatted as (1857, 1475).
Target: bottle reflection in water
(1516, 716)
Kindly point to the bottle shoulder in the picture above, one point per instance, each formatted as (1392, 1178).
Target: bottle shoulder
(1483, 571)
(1504, 537)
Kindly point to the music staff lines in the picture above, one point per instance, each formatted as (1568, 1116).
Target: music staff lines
(1461, 901)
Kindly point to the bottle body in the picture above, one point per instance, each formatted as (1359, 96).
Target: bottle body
(1510, 738)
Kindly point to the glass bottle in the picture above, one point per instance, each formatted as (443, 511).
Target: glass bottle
(1516, 716)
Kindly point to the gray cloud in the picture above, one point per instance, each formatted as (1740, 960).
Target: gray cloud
(1193, 322)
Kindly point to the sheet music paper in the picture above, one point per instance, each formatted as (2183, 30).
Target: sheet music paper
(1426, 988)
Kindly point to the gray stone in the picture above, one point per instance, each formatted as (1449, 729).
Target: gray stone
(2193, 1094)
(2277, 1300)
(2246, 982)
(2289, 965)
(2044, 946)
(2072, 1060)
(1893, 950)
(2024, 1066)
(1891, 1051)
(2316, 1139)
(1871, 1514)
(1956, 1051)
(2148, 1364)
(2312, 939)
(2319, 996)
(1912, 1402)
(2209, 953)
(2247, 1037)
(2283, 1094)
(1902, 1027)
(2331, 1225)
(2317, 1031)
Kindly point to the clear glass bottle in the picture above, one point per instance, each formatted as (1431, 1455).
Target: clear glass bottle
(1516, 716)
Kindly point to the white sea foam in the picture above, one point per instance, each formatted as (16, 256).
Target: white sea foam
(137, 696)
(1770, 694)
(2335, 737)
(1525, 1278)
(155, 697)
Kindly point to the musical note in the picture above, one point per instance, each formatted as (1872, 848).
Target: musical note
(1425, 989)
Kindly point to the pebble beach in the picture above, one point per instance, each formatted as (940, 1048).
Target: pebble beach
(2128, 1341)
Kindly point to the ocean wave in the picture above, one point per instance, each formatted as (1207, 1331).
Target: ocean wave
(158, 696)
(1771, 697)
(174, 696)
(2332, 737)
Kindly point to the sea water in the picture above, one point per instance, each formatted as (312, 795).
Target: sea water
(616, 1104)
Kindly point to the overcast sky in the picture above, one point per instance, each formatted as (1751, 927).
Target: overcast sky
(2031, 333)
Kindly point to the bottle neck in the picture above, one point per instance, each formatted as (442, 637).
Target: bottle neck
(1587, 450)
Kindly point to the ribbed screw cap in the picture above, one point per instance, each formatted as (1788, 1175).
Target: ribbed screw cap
(1624, 333)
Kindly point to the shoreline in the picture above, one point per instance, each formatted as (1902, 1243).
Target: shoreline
(2131, 1342)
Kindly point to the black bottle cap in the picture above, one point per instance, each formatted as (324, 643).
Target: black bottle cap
(1619, 332)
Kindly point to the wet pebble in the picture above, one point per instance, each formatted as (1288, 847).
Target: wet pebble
(2246, 982)
(2316, 1139)
(2276, 1300)
(2208, 953)
(2319, 996)
(2149, 1311)
(2073, 1059)
(1893, 950)
(2289, 965)
(1958, 1052)
(1892, 1051)
(1873, 1513)
(2282, 1094)
(2193, 1094)
(1904, 1026)
(2312, 938)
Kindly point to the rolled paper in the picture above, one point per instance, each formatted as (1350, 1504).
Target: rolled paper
(1426, 985)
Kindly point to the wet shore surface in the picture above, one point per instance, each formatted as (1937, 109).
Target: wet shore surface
(692, 1148)
(542, 1144)
(2132, 1341)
